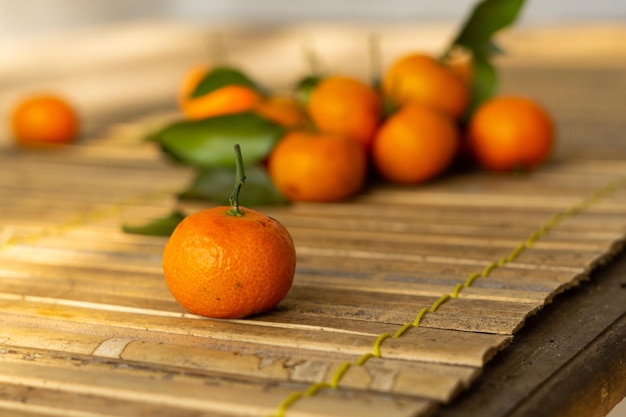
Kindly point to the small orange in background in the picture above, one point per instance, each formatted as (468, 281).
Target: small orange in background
(345, 106)
(510, 133)
(229, 262)
(229, 98)
(44, 120)
(190, 81)
(415, 144)
(282, 110)
(225, 100)
(420, 78)
(317, 167)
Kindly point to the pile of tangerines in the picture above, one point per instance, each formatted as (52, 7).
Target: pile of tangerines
(409, 128)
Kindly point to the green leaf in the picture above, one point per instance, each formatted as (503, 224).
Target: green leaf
(305, 87)
(221, 76)
(209, 142)
(484, 83)
(215, 184)
(159, 227)
(486, 19)
(476, 35)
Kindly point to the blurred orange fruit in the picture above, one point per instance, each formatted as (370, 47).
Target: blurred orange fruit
(230, 98)
(415, 144)
(510, 133)
(422, 79)
(44, 120)
(224, 100)
(307, 166)
(190, 81)
(225, 266)
(345, 106)
(282, 110)
(460, 62)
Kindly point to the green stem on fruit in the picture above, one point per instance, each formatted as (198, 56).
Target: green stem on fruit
(240, 179)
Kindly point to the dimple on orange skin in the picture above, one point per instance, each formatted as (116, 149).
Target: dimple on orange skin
(510, 133)
(223, 266)
(306, 166)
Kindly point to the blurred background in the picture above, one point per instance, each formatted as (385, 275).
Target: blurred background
(120, 59)
(31, 16)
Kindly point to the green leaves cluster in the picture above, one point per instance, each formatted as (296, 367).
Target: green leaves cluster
(207, 145)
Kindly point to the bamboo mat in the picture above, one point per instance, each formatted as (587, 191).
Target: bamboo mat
(400, 297)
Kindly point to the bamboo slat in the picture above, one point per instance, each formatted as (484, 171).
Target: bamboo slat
(137, 386)
(401, 295)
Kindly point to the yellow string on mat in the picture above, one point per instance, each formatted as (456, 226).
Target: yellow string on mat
(84, 218)
(598, 195)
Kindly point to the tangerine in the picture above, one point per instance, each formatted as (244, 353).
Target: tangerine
(415, 144)
(318, 167)
(345, 106)
(224, 266)
(44, 120)
(423, 79)
(228, 99)
(509, 133)
(229, 262)
(190, 81)
(461, 62)
(282, 110)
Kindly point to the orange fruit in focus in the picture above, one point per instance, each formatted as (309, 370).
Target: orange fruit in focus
(224, 266)
(415, 144)
(508, 133)
(422, 79)
(347, 107)
(282, 110)
(44, 120)
(317, 167)
(225, 100)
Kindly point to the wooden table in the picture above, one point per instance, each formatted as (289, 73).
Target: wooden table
(476, 294)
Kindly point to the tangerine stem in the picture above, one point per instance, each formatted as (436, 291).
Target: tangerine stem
(240, 179)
